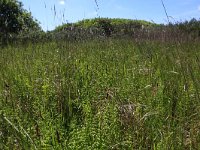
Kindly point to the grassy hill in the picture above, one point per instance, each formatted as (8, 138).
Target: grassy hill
(97, 27)
(116, 24)
(87, 23)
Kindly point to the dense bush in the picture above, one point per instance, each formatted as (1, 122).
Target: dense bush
(190, 26)
(14, 19)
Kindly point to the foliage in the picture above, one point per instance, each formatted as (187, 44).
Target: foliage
(106, 26)
(192, 25)
(14, 19)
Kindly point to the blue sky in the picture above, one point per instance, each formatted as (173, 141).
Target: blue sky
(74, 10)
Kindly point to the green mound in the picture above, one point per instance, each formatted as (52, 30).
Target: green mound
(98, 22)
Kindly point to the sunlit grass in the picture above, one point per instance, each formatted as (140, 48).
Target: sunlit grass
(100, 94)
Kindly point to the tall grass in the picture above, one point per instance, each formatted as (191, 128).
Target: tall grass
(100, 94)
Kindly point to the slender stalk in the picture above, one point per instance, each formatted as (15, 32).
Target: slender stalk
(165, 11)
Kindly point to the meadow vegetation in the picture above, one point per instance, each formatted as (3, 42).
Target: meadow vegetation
(109, 93)
(134, 87)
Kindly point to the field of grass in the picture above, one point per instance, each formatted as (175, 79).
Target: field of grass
(100, 94)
